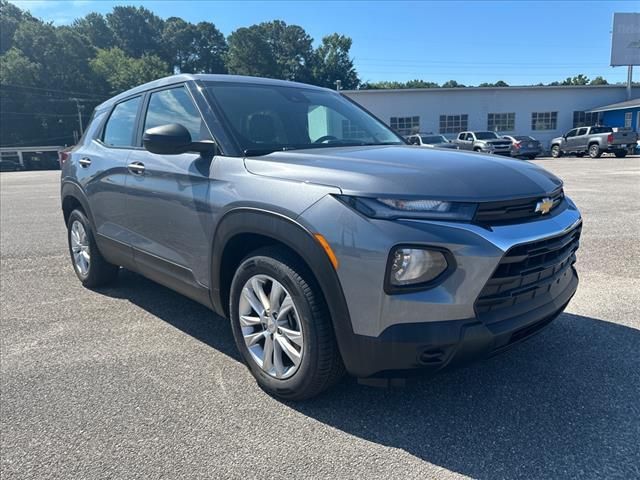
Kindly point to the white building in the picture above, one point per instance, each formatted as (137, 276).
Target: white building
(542, 112)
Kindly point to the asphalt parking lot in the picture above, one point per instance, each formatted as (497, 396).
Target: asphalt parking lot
(135, 381)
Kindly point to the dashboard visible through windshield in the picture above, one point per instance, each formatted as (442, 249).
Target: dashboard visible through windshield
(265, 118)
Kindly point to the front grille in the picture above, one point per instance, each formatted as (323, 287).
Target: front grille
(512, 211)
(528, 276)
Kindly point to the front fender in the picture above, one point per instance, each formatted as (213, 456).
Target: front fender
(297, 237)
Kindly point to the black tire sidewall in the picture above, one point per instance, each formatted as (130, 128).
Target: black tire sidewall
(555, 151)
(279, 271)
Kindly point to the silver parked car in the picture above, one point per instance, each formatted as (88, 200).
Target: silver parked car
(327, 241)
(430, 140)
(524, 146)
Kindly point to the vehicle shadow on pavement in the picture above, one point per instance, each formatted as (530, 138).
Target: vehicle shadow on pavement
(565, 404)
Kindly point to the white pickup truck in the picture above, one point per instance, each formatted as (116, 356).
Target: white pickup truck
(594, 141)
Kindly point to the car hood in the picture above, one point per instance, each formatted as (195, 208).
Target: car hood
(408, 171)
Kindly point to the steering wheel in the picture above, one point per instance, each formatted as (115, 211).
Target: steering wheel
(325, 138)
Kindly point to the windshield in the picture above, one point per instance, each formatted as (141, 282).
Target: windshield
(486, 135)
(266, 118)
(434, 139)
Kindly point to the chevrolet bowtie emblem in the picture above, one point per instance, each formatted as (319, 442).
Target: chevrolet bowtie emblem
(544, 206)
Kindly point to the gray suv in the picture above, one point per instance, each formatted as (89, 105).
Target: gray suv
(329, 243)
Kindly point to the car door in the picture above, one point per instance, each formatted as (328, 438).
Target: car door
(580, 140)
(570, 140)
(102, 171)
(169, 221)
(464, 142)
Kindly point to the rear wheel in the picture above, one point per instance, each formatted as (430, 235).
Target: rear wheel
(594, 151)
(555, 151)
(90, 267)
(282, 327)
(620, 153)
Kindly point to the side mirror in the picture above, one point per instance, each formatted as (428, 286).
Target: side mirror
(173, 139)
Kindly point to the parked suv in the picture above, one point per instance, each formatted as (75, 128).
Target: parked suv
(485, 142)
(328, 242)
(594, 141)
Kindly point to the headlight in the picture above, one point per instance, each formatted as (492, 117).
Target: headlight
(391, 208)
(415, 267)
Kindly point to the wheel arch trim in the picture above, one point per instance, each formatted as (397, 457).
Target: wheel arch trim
(293, 235)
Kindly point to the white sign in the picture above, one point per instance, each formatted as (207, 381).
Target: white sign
(625, 45)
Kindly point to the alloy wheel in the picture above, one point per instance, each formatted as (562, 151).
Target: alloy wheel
(80, 248)
(271, 326)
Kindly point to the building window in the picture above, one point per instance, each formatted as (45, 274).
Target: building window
(351, 130)
(453, 123)
(585, 119)
(628, 118)
(501, 122)
(544, 120)
(405, 125)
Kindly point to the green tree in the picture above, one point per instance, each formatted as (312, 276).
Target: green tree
(250, 54)
(332, 63)
(137, 31)
(10, 18)
(122, 72)
(599, 81)
(271, 49)
(420, 84)
(194, 48)
(499, 83)
(452, 84)
(94, 26)
(577, 80)
(210, 49)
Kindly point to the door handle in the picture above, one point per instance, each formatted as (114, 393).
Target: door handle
(84, 162)
(136, 168)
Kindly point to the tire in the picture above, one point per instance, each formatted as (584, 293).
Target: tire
(555, 151)
(620, 153)
(94, 271)
(594, 150)
(319, 365)
(479, 150)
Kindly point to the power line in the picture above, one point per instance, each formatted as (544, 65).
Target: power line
(21, 144)
(70, 92)
(36, 114)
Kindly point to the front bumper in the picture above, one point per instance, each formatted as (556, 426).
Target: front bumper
(438, 327)
(405, 349)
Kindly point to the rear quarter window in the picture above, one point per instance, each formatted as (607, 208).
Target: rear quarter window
(120, 128)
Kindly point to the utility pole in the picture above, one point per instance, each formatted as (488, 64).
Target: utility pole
(77, 100)
(629, 81)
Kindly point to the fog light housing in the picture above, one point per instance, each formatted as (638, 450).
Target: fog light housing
(416, 268)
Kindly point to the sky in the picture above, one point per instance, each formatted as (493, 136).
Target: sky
(520, 42)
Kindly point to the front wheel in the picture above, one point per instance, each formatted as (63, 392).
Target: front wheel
(594, 151)
(90, 267)
(556, 152)
(282, 327)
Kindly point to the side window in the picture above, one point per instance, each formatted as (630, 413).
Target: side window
(120, 128)
(462, 136)
(571, 133)
(582, 131)
(470, 137)
(175, 106)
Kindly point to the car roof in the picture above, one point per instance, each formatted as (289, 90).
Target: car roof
(207, 77)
